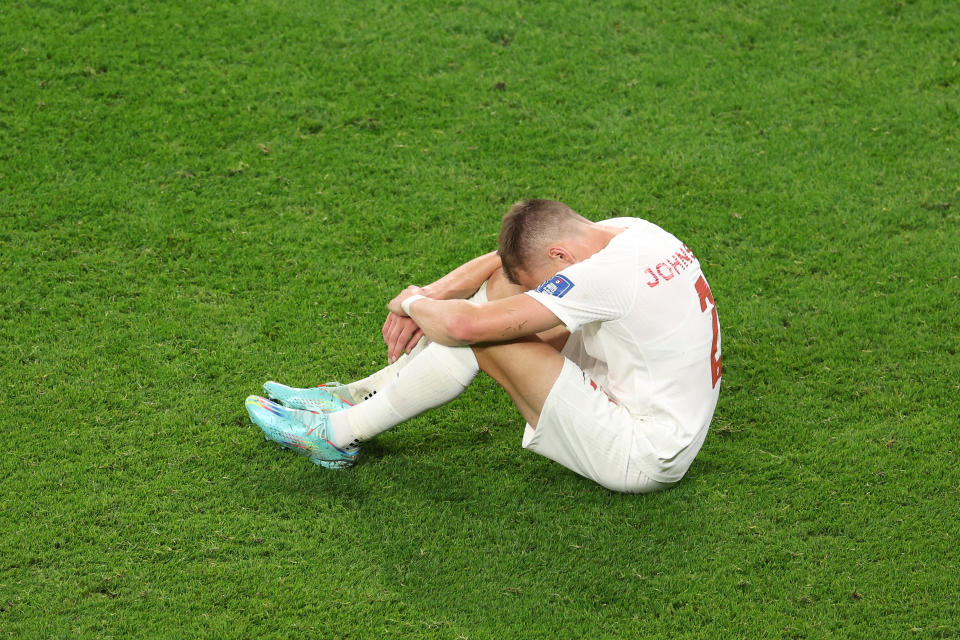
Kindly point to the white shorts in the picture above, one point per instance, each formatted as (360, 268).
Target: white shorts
(582, 429)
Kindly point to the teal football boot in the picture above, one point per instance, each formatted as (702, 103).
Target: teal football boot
(303, 431)
(327, 398)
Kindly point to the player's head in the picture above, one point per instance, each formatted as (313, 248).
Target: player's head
(529, 232)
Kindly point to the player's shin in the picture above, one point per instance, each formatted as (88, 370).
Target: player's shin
(366, 388)
(436, 376)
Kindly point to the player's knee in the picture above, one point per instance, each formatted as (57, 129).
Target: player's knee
(484, 361)
(498, 287)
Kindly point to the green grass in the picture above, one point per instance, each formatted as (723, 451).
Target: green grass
(199, 196)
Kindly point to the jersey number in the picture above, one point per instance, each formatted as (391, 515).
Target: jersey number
(703, 289)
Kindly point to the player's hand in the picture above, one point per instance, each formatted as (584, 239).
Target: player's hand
(400, 333)
(395, 305)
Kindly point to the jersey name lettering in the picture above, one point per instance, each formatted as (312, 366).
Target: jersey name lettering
(669, 267)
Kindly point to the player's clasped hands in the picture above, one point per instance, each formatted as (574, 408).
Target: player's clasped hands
(400, 332)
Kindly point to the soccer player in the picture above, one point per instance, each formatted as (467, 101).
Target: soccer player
(605, 335)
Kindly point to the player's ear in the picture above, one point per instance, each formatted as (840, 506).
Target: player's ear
(560, 253)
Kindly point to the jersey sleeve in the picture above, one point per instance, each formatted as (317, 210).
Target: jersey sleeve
(598, 289)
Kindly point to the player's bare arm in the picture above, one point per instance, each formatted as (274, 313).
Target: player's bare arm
(461, 322)
(401, 333)
(465, 280)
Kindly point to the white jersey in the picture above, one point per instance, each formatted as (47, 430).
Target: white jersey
(650, 330)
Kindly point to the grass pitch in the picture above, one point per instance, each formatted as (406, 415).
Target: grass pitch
(197, 197)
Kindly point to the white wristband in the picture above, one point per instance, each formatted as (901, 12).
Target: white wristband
(405, 305)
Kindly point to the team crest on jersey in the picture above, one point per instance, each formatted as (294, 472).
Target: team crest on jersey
(558, 286)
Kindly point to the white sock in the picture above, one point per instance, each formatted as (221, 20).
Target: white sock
(436, 376)
(365, 388)
(381, 416)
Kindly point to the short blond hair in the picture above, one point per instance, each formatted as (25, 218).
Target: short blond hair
(526, 227)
